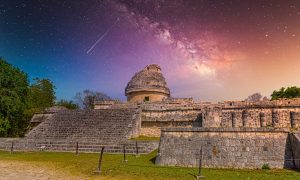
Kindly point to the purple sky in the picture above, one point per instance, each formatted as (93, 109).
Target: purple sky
(209, 50)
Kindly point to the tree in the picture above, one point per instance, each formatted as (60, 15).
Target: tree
(87, 98)
(67, 104)
(41, 94)
(13, 100)
(278, 94)
(254, 97)
(266, 98)
(289, 92)
(19, 101)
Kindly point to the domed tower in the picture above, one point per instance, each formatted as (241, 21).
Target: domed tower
(147, 85)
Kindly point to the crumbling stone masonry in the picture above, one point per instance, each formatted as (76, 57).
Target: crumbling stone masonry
(226, 147)
(283, 113)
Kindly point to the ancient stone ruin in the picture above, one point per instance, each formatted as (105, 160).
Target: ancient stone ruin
(147, 85)
(231, 134)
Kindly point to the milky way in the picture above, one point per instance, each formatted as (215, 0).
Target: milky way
(210, 50)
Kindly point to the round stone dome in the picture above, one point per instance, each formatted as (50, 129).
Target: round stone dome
(147, 85)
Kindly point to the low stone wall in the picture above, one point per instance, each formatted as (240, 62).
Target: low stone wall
(189, 115)
(60, 145)
(225, 147)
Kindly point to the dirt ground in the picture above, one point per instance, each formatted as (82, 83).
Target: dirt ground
(10, 170)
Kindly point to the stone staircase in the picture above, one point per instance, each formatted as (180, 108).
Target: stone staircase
(92, 129)
(109, 125)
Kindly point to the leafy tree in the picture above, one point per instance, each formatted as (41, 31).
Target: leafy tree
(292, 92)
(67, 104)
(19, 101)
(87, 98)
(13, 99)
(4, 126)
(289, 92)
(42, 94)
(278, 94)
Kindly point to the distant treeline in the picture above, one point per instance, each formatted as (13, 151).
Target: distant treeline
(289, 92)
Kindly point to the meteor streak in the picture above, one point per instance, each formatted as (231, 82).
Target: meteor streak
(101, 37)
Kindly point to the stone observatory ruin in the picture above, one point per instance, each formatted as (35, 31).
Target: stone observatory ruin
(148, 85)
(230, 134)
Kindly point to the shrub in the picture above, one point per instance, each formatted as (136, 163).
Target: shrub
(265, 166)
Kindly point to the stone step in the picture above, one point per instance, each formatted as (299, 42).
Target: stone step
(65, 146)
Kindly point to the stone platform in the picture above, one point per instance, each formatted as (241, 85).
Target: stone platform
(228, 147)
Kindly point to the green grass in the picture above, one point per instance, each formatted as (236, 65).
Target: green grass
(137, 167)
(145, 138)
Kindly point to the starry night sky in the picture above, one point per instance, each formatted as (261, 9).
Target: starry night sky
(211, 50)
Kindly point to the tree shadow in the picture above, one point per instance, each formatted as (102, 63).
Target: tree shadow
(289, 158)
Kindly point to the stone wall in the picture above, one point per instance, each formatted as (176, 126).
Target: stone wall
(279, 113)
(105, 104)
(225, 147)
(187, 113)
(140, 96)
(159, 115)
(261, 117)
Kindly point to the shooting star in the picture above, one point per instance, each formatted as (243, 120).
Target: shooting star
(103, 36)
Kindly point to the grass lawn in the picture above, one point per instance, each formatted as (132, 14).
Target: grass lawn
(141, 167)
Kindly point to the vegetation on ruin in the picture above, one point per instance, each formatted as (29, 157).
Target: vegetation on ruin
(265, 166)
(145, 138)
(143, 167)
(289, 92)
(67, 104)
